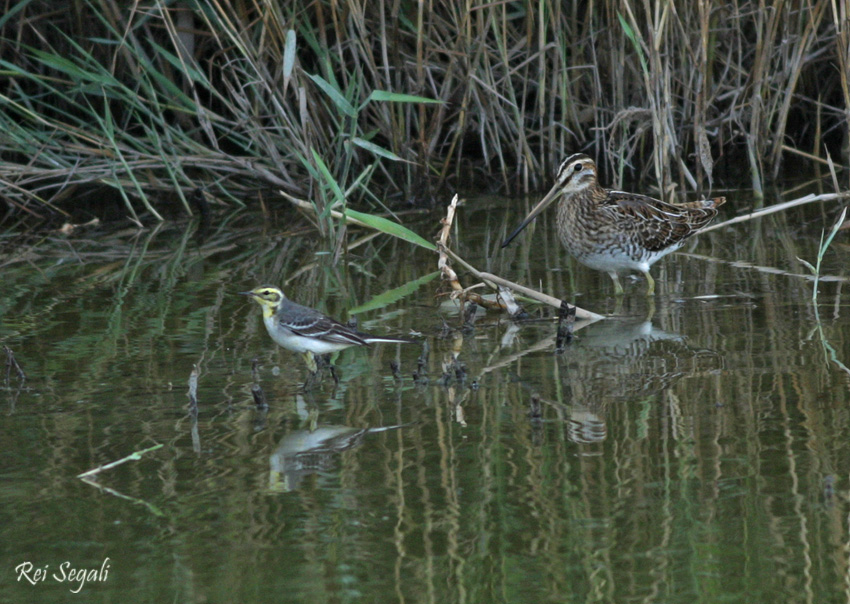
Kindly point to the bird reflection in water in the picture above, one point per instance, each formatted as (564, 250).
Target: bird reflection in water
(304, 452)
(621, 361)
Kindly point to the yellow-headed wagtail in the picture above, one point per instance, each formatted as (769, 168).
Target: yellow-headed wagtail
(306, 330)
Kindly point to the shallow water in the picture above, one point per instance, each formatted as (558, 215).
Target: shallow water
(693, 447)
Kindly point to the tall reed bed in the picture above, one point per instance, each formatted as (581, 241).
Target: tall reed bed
(348, 100)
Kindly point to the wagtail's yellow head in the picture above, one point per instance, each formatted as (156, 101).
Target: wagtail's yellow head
(267, 296)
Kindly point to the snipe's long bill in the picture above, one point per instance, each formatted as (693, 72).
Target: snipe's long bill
(616, 231)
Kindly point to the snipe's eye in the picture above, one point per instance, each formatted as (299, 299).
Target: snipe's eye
(577, 168)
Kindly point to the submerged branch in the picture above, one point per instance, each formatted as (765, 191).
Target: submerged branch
(770, 270)
(498, 284)
(504, 299)
(132, 457)
(779, 207)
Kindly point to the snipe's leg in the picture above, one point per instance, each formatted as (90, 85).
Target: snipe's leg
(650, 290)
(650, 308)
(618, 289)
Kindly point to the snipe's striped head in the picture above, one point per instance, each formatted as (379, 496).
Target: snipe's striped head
(577, 173)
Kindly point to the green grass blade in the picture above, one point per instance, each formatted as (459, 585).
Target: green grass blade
(397, 97)
(64, 65)
(391, 228)
(289, 54)
(326, 174)
(185, 68)
(376, 149)
(834, 231)
(808, 265)
(16, 8)
(632, 36)
(394, 295)
(335, 95)
(822, 250)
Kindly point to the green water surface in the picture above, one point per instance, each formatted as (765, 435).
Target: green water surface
(691, 448)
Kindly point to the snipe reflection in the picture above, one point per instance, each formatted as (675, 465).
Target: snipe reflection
(618, 362)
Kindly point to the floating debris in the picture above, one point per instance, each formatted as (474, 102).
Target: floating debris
(193, 391)
(256, 390)
(11, 362)
(566, 320)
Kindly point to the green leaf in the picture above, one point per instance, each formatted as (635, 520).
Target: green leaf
(376, 149)
(310, 166)
(16, 7)
(63, 65)
(185, 68)
(289, 54)
(326, 173)
(808, 265)
(336, 96)
(835, 228)
(391, 228)
(393, 295)
(631, 35)
(397, 97)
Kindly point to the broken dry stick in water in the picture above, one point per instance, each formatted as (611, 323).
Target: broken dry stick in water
(132, 457)
(500, 285)
(777, 207)
(495, 282)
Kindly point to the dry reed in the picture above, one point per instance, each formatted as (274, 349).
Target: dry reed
(325, 100)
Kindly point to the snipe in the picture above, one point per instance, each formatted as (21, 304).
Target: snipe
(615, 231)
